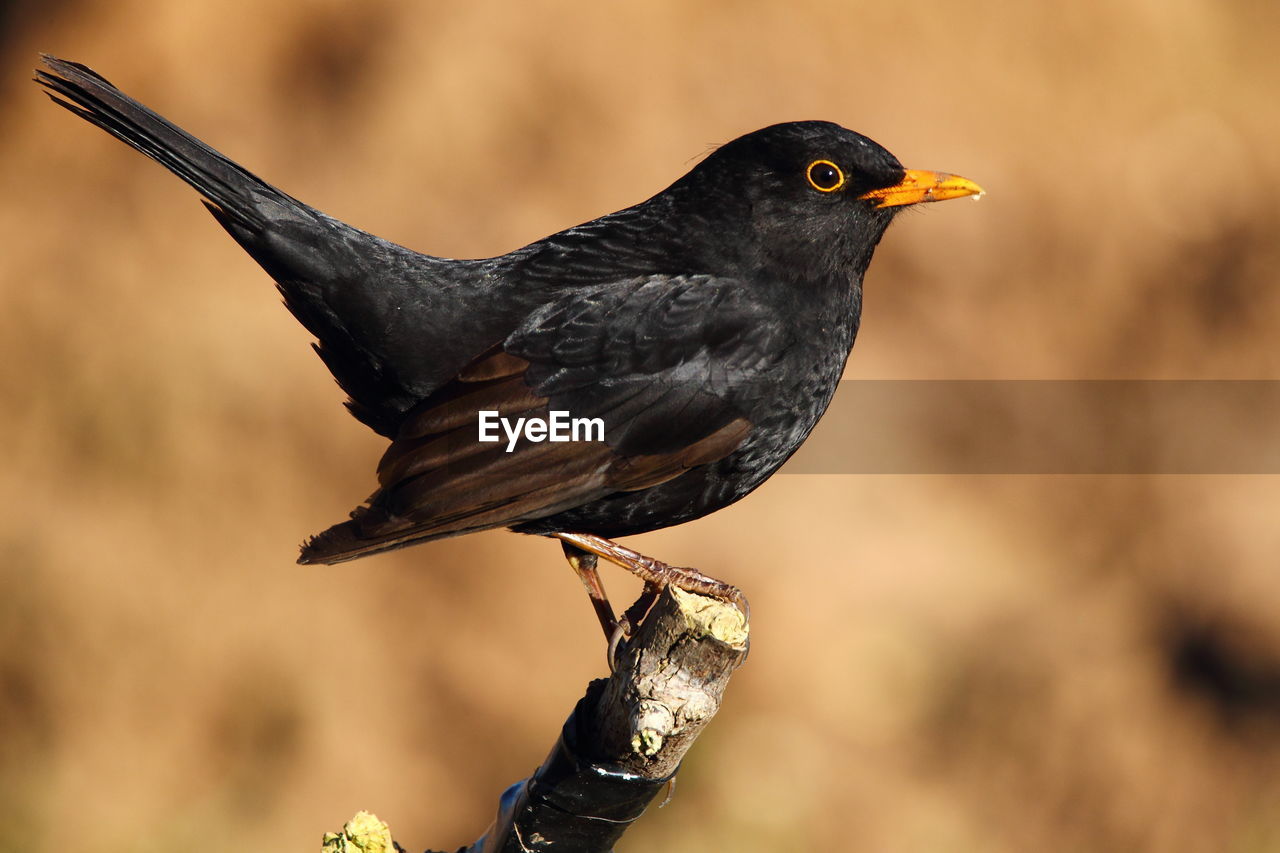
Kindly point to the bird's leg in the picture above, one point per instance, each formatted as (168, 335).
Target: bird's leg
(584, 566)
(655, 572)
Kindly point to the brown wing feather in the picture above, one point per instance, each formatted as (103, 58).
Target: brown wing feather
(438, 480)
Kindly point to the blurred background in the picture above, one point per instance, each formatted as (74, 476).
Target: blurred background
(961, 663)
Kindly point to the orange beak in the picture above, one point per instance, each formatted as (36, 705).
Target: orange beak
(920, 186)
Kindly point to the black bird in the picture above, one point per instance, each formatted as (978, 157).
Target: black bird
(705, 328)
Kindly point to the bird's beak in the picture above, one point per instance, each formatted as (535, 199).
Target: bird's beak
(919, 186)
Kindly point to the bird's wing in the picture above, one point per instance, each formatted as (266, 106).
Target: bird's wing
(657, 359)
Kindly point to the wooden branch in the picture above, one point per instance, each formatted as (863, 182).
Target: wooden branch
(668, 682)
(626, 737)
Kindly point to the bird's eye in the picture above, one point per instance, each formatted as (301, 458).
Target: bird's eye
(825, 176)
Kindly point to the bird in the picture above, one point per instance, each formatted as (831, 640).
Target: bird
(697, 337)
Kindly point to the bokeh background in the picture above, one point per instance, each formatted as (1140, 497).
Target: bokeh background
(939, 662)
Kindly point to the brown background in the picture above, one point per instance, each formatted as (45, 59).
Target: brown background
(940, 663)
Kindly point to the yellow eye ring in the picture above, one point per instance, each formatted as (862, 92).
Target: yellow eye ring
(824, 176)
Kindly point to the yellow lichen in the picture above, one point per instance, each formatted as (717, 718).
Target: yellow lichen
(364, 833)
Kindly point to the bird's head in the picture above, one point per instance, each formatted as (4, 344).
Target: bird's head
(810, 197)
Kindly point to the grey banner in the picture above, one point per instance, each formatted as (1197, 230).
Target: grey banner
(1047, 427)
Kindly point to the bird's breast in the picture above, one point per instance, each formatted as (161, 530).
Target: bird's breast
(785, 402)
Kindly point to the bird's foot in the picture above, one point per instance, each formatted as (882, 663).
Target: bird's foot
(655, 573)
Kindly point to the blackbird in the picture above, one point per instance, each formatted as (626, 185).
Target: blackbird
(702, 332)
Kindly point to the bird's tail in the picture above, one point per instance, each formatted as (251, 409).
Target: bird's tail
(345, 286)
(235, 192)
